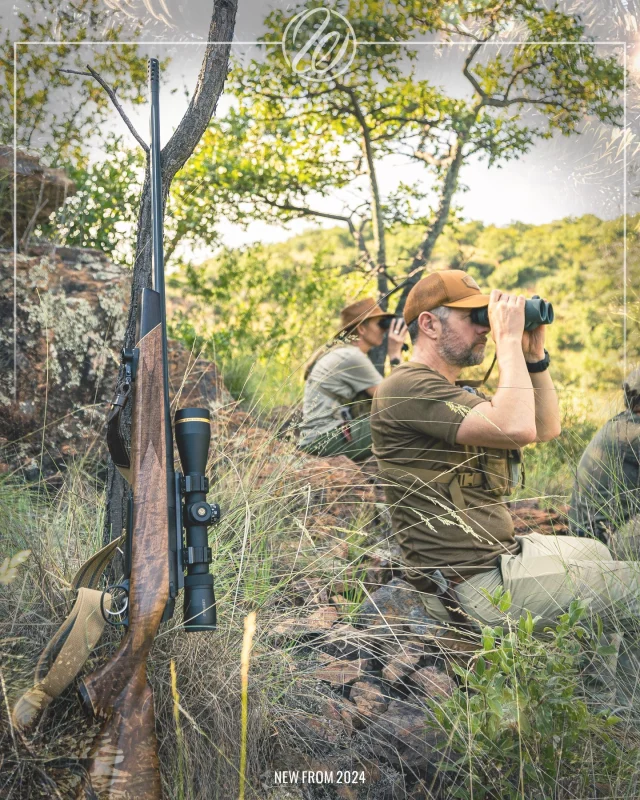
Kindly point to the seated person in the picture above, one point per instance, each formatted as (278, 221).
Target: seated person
(447, 455)
(606, 493)
(338, 376)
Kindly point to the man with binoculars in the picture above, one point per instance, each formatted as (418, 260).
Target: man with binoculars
(448, 455)
(339, 377)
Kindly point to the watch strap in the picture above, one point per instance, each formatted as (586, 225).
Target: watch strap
(540, 366)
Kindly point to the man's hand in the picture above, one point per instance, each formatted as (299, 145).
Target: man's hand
(506, 316)
(396, 338)
(533, 344)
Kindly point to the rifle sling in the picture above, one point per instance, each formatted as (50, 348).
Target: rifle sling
(116, 440)
(65, 655)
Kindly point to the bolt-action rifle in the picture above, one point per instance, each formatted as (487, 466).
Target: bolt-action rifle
(162, 503)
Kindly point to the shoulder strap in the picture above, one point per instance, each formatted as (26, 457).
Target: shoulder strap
(65, 655)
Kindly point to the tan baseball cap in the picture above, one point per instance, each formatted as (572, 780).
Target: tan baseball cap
(452, 287)
(358, 312)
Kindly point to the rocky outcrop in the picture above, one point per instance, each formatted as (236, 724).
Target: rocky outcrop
(59, 350)
(40, 191)
(378, 677)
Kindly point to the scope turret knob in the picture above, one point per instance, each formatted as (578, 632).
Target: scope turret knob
(216, 513)
(199, 513)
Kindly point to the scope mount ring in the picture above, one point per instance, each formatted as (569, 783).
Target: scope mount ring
(117, 591)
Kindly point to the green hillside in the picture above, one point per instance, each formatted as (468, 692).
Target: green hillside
(272, 305)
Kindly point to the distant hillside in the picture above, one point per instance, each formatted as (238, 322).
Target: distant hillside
(275, 303)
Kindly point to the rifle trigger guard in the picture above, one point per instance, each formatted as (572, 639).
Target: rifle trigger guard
(116, 590)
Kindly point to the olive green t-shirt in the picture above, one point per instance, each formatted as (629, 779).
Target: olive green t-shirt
(414, 421)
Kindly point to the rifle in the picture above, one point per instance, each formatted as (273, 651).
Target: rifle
(124, 761)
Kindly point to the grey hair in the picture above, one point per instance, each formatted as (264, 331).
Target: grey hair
(441, 312)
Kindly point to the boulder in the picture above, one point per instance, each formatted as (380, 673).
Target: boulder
(394, 608)
(71, 314)
(401, 665)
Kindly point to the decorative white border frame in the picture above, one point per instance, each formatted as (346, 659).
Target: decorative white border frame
(203, 43)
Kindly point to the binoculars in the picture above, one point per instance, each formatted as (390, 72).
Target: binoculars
(536, 312)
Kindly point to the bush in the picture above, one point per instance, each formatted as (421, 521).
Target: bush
(519, 724)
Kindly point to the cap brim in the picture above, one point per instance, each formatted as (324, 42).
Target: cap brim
(473, 301)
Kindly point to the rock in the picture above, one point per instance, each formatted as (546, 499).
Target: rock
(342, 673)
(405, 736)
(395, 607)
(316, 729)
(401, 665)
(433, 682)
(528, 517)
(310, 590)
(341, 712)
(41, 190)
(345, 641)
(368, 698)
(320, 620)
(71, 315)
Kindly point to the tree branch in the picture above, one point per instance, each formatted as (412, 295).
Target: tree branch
(204, 100)
(91, 73)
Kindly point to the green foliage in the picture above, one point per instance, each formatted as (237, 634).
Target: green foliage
(104, 209)
(287, 140)
(270, 303)
(518, 724)
(273, 305)
(60, 113)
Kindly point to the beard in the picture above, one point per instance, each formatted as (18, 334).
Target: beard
(458, 353)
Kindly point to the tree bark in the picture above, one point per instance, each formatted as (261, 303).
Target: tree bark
(423, 254)
(180, 146)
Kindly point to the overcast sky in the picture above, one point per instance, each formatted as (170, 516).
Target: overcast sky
(558, 178)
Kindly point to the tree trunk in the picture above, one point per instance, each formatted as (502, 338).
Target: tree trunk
(183, 142)
(435, 228)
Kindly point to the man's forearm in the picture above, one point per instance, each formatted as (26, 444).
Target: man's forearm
(547, 408)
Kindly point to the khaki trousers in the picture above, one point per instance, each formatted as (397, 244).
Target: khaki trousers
(545, 577)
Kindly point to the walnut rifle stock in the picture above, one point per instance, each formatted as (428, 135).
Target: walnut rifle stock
(123, 764)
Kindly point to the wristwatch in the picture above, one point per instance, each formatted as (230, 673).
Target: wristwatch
(540, 366)
(394, 361)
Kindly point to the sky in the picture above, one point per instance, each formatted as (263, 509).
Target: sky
(558, 178)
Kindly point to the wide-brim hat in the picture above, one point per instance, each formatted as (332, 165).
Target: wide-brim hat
(453, 288)
(351, 316)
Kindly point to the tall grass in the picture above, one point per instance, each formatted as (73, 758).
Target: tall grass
(287, 518)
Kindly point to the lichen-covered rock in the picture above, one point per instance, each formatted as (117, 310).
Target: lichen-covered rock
(60, 351)
(394, 606)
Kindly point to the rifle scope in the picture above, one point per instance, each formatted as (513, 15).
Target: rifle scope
(193, 435)
(536, 312)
